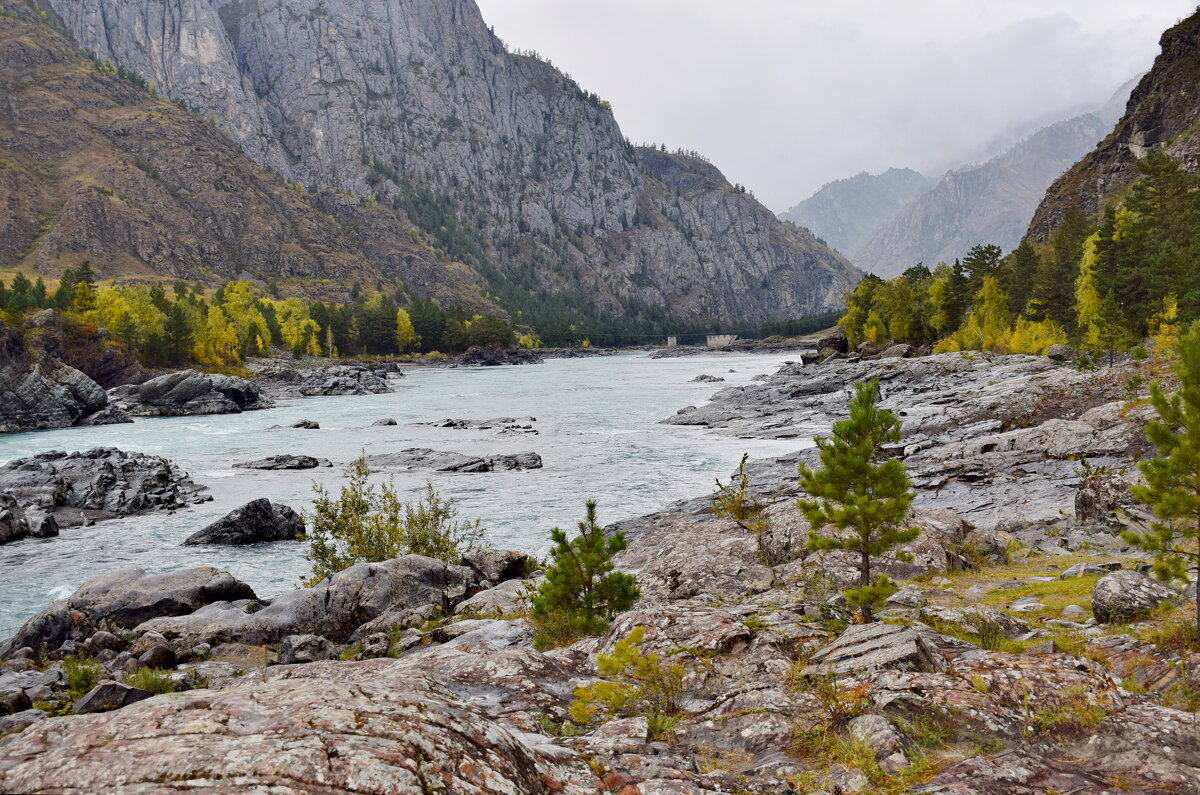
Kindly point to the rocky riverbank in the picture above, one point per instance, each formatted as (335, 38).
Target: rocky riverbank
(1024, 653)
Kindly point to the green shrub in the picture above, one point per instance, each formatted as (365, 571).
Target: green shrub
(581, 593)
(154, 680)
(367, 524)
(82, 675)
(643, 686)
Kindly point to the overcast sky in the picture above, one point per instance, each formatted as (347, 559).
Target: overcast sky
(785, 95)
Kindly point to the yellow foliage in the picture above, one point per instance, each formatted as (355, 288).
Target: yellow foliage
(247, 321)
(406, 336)
(1087, 297)
(1164, 327)
(215, 342)
(1035, 337)
(529, 341)
(298, 331)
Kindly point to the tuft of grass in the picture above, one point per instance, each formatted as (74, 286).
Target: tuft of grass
(1072, 713)
(155, 680)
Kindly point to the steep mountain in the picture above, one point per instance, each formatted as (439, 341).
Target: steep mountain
(92, 167)
(986, 203)
(1163, 113)
(504, 163)
(845, 211)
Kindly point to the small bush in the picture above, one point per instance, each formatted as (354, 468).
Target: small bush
(644, 686)
(82, 675)
(582, 593)
(1073, 712)
(154, 680)
(733, 500)
(366, 524)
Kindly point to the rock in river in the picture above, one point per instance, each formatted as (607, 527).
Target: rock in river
(255, 522)
(441, 461)
(284, 461)
(99, 484)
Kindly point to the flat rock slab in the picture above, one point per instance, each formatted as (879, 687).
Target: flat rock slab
(869, 647)
(284, 462)
(441, 461)
(395, 733)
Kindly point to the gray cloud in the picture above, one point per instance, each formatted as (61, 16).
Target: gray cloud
(785, 95)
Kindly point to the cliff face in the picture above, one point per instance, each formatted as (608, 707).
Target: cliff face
(94, 168)
(403, 99)
(1163, 114)
(845, 211)
(987, 203)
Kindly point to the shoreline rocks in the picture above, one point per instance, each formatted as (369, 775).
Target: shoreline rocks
(504, 426)
(189, 393)
(284, 461)
(46, 393)
(280, 379)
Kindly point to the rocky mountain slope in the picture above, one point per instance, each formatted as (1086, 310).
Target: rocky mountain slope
(503, 161)
(1163, 114)
(845, 211)
(94, 168)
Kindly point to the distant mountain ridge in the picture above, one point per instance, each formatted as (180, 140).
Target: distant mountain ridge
(989, 202)
(504, 164)
(844, 212)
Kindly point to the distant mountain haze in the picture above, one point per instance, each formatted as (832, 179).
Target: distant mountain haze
(989, 202)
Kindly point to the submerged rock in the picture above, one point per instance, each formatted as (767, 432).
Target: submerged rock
(188, 393)
(255, 522)
(441, 461)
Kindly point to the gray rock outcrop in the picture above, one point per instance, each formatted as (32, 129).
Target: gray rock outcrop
(283, 461)
(335, 608)
(256, 522)
(283, 380)
(187, 393)
(19, 520)
(43, 394)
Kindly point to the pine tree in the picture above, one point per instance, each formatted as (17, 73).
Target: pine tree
(1111, 331)
(854, 493)
(582, 593)
(1173, 476)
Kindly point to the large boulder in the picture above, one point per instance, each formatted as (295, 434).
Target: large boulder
(335, 608)
(337, 731)
(108, 696)
(1126, 596)
(285, 380)
(122, 600)
(256, 522)
(189, 392)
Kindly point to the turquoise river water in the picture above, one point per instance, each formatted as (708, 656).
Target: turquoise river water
(599, 437)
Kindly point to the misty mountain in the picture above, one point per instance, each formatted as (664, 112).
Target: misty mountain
(511, 172)
(989, 202)
(845, 211)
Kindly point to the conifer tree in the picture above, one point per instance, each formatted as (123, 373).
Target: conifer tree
(1172, 487)
(1111, 331)
(854, 493)
(582, 593)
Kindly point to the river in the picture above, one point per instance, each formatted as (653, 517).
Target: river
(598, 435)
